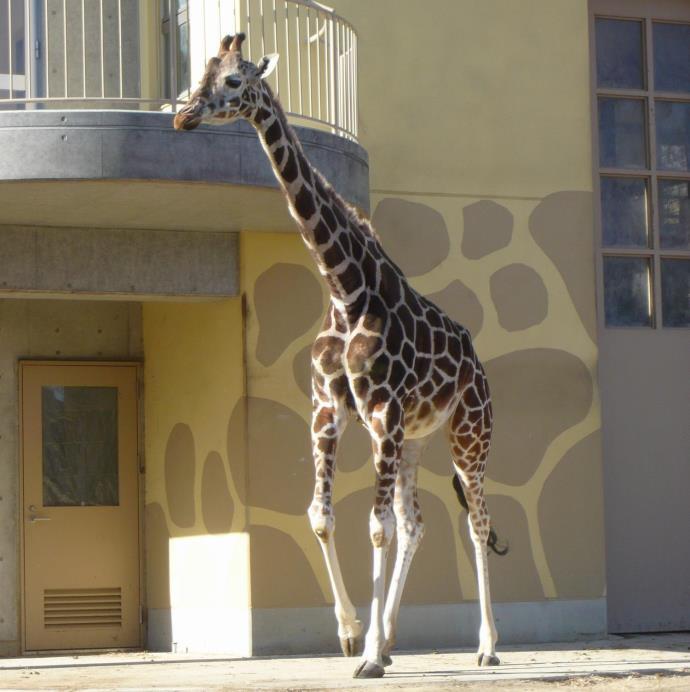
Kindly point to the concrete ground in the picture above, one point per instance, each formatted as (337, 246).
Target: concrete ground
(619, 663)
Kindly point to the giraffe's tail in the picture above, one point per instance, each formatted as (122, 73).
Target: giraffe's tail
(492, 542)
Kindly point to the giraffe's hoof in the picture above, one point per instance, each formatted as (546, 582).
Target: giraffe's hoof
(351, 646)
(485, 660)
(387, 660)
(367, 669)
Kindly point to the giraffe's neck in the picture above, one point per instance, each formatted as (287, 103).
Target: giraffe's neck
(332, 234)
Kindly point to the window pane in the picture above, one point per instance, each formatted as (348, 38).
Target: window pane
(674, 213)
(165, 61)
(675, 292)
(624, 212)
(627, 292)
(671, 57)
(673, 135)
(619, 54)
(79, 446)
(622, 140)
(183, 79)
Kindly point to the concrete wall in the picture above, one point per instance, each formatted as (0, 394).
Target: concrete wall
(93, 262)
(478, 131)
(47, 330)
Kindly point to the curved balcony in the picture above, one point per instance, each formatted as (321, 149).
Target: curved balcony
(72, 157)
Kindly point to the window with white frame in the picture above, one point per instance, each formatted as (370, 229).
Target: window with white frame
(643, 112)
(175, 46)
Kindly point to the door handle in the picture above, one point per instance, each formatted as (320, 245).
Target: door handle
(33, 517)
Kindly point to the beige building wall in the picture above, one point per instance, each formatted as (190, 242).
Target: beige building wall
(49, 330)
(197, 545)
(476, 118)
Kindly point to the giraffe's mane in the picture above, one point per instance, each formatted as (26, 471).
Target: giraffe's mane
(352, 214)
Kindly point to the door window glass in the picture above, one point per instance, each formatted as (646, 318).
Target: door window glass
(80, 451)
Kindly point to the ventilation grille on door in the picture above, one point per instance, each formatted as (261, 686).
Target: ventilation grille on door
(82, 608)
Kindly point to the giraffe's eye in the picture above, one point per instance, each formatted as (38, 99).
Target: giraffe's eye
(233, 82)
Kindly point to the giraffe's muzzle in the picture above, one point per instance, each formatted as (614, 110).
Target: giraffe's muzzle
(186, 120)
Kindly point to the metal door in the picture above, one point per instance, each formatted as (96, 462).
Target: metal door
(80, 506)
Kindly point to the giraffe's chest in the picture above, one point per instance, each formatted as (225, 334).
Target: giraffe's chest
(378, 372)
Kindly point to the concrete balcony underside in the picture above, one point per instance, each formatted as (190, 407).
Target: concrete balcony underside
(132, 170)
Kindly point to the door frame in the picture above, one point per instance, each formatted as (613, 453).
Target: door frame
(139, 367)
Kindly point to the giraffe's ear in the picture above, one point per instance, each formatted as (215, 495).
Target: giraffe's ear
(267, 64)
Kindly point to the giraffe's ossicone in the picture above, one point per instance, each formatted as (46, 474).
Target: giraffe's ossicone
(385, 355)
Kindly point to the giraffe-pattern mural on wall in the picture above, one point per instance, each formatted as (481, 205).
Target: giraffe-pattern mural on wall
(544, 478)
(541, 361)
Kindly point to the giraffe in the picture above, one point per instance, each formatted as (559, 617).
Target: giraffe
(384, 355)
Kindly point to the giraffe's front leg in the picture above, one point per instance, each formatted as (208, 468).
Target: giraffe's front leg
(328, 423)
(387, 435)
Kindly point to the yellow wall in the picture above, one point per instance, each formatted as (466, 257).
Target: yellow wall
(196, 518)
(475, 114)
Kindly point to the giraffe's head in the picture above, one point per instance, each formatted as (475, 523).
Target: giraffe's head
(230, 88)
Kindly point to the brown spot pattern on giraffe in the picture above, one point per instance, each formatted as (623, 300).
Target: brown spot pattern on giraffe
(284, 316)
(414, 235)
(520, 297)
(571, 514)
(487, 227)
(536, 394)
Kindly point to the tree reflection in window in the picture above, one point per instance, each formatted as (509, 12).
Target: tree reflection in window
(80, 450)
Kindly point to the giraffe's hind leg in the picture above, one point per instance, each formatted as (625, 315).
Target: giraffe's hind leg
(410, 529)
(470, 436)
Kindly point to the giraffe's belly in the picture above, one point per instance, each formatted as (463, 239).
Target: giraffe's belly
(423, 418)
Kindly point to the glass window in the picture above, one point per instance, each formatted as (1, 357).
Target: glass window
(80, 453)
(673, 135)
(183, 79)
(675, 292)
(671, 57)
(627, 124)
(627, 292)
(619, 54)
(624, 212)
(12, 72)
(622, 140)
(674, 214)
(180, 22)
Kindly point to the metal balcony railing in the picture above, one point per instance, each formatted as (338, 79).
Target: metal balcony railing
(150, 54)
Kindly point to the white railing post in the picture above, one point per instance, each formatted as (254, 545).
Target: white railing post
(327, 74)
(333, 76)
